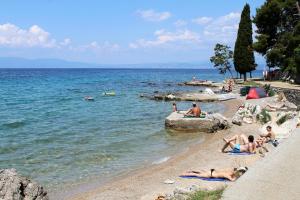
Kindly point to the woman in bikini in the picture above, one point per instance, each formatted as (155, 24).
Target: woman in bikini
(230, 174)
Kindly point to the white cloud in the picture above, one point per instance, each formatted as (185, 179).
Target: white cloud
(95, 46)
(151, 15)
(13, 36)
(180, 23)
(202, 20)
(222, 29)
(163, 37)
(66, 42)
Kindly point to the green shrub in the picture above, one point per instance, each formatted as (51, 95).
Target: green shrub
(269, 90)
(263, 117)
(207, 195)
(282, 119)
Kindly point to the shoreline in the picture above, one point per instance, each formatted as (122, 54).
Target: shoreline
(147, 182)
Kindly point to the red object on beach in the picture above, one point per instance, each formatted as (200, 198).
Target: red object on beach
(256, 93)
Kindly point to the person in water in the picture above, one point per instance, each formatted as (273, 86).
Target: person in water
(230, 174)
(174, 107)
(240, 143)
(195, 111)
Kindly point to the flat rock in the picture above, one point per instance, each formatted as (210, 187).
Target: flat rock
(210, 123)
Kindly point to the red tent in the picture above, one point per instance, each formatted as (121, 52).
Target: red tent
(256, 93)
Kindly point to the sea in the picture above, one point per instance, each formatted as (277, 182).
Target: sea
(49, 133)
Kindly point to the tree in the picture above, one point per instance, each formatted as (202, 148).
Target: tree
(222, 58)
(243, 58)
(278, 34)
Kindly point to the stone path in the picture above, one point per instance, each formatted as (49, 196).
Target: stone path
(277, 176)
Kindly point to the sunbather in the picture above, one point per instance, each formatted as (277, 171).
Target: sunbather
(270, 135)
(195, 111)
(240, 143)
(230, 174)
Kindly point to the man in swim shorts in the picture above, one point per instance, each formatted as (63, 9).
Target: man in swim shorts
(246, 144)
(195, 111)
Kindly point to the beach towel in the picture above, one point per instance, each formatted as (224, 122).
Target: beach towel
(205, 179)
(239, 153)
(201, 116)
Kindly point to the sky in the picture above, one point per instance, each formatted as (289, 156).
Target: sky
(119, 31)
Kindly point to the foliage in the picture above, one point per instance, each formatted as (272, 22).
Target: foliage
(222, 58)
(263, 117)
(207, 195)
(269, 90)
(251, 83)
(244, 60)
(282, 119)
(278, 34)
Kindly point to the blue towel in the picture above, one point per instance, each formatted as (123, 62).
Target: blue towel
(205, 179)
(239, 153)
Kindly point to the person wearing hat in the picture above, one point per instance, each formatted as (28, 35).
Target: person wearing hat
(195, 111)
(230, 174)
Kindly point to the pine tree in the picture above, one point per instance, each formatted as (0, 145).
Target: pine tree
(243, 59)
(278, 35)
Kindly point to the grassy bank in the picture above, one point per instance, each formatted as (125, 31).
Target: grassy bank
(207, 195)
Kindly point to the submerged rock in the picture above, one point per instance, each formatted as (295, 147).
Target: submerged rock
(16, 187)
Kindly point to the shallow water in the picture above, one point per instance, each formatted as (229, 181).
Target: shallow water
(48, 132)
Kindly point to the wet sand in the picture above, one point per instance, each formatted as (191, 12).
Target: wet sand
(148, 183)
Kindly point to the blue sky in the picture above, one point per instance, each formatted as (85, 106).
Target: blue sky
(115, 32)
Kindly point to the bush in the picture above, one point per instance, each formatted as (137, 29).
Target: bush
(263, 117)
(270, 92)
(207, 195)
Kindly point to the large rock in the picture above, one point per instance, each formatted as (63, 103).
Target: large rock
(16, 187)
(210, 123)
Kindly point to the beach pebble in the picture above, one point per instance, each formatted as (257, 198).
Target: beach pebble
(168, 181)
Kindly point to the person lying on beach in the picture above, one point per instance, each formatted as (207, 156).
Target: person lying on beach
(174, 107)
(230, 174)
(195, 111)
(246, 145)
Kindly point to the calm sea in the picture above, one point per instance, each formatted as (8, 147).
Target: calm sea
(49, 133)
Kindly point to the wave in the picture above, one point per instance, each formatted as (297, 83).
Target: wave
(14, 124)
(161, 160)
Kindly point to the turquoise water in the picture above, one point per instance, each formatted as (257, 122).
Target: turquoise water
(48, 132)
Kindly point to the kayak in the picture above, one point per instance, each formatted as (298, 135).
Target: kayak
(109, 93)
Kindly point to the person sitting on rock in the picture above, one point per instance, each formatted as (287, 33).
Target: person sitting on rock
(230, 174)
(195, 111)
(246, 145)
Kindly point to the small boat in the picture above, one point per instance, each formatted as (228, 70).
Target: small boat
(89, 98)
(111, 93)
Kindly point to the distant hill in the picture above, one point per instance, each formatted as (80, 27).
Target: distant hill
(11, 62)
(14, 62)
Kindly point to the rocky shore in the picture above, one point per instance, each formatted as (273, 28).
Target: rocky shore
(16, 187)
(163, 180)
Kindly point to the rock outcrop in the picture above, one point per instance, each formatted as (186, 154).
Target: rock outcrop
(16, 187)
(209, 123)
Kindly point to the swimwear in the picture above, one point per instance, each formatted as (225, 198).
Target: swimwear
(211, 172)
(237, 148)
